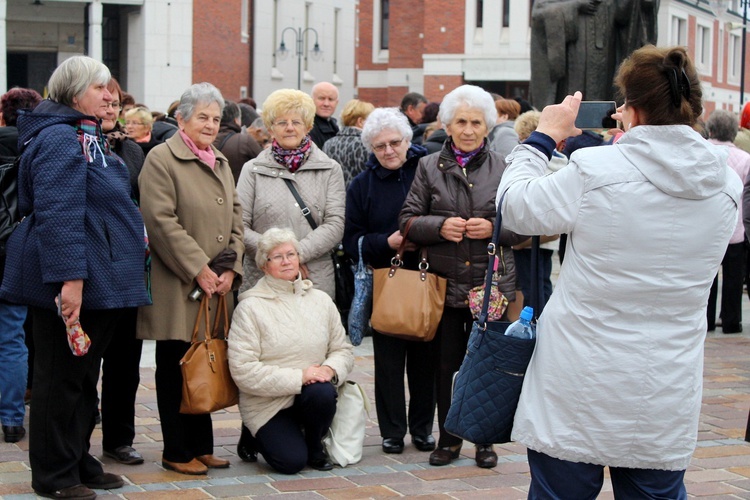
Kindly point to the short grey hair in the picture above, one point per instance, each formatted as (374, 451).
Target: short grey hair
(258, 123)
(198, 93)
(472, 97)
(722, 125)
(271, 239)
(385, 119)
(74, 76)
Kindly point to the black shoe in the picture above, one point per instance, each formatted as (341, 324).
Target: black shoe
(444, 455)
(105, 481)
(324, 463)
(13, 433)
(77, 492)
(485, 456)
(125, 455)
(423, 443)
(245, 449)
(732, 329)
(393, 445)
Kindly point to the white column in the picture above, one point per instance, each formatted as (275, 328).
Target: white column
(96, 14)
(3, 47)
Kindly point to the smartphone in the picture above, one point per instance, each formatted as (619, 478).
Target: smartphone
(596, 115)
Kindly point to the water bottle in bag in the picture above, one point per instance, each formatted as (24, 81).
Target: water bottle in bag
(522, 328)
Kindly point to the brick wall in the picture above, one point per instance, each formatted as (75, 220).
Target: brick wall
(219, 56)
(405, 47)
(444, 27)
(378, 97)
(432, 83)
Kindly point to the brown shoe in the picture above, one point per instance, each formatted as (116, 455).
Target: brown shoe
(444, 455)
(485, 456)
(212, 462)
(193, 467)
(76, 492)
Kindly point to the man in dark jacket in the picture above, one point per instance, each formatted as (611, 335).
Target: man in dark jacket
(13, 351)
(238, 146)
(326, 98)
(412, 105)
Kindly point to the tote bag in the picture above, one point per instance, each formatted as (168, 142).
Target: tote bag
(359, 314)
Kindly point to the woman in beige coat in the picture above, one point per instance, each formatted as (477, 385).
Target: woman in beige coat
(192, 214)
(267, 201)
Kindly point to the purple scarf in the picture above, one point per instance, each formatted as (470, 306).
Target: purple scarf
(462, 158)
(292, 159)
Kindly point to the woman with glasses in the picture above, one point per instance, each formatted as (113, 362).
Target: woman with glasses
(192, 216)
(373, 202)
(288, 353)
(138, 124)
(293, 162)
(453, 200)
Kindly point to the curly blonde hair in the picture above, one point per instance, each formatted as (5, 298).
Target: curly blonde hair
(286, 101)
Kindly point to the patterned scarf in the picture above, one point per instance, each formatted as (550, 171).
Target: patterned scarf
(292, 159)
(462, 158)
(92, 141)
(207, 155)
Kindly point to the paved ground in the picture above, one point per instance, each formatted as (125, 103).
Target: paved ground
(720, 467)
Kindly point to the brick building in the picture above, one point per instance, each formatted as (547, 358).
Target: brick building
(433, 46)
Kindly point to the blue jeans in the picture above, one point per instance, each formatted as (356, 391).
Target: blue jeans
(555, 479)
(14, 363)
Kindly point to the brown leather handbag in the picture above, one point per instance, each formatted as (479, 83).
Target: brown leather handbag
(207, 385)
(407, 304)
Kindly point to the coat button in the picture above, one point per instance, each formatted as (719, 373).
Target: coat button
(466, 302)
(471, 185)
(467, 263)
(220, 201)
(220, 238)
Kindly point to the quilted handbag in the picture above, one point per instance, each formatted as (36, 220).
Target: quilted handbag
(488, 385)
(359, 314)
(407, 304)
(207, 385)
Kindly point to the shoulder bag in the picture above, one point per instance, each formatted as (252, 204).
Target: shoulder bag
(343, 275)
(359, 314)
(207, 385)
(488, 385)
(346, 436)
(407, 304)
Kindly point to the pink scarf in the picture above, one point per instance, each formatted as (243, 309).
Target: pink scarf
(207, 156)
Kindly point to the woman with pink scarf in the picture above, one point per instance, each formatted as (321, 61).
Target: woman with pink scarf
(192, 215)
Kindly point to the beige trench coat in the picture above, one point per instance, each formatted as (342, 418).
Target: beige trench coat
(267, 202)
(191, 213)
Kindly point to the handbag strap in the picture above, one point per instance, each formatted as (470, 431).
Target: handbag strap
(202, 317)
(301, 204)
(536, 275)
(221, 312)
(396, 261)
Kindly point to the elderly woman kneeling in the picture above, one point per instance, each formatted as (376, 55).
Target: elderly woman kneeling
(287, 353)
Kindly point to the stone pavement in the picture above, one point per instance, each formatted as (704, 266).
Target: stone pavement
(720, 467)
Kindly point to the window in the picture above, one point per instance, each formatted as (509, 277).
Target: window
(244, 21)
(679, 31)
(703, 46)
(735, 56)
(384, 24)
(480, 13)
(506, 13)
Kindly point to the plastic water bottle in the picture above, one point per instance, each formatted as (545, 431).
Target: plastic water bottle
(523, 329)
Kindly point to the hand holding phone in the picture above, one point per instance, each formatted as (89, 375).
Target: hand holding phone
(596, 115)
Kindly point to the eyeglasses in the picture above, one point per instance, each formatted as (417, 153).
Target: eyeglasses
(380, 148)
(280, 257)
(284, 124)
(131, 122)
(114, 105)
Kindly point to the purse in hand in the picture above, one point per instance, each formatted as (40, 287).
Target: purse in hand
(487, 387)
(207, 385)
(407, 304)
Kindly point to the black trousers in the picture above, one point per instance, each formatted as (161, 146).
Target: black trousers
(450, 347)
(295, 434)
(392, 356)
(185, 436)
(120, 379)
(733, 274)
(64, 399)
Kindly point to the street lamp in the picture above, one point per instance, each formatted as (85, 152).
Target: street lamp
(299, 40)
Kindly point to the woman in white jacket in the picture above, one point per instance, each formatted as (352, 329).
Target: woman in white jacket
(287, 353)
(616, 378)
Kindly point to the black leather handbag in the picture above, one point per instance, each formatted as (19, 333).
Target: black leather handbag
(488, 385)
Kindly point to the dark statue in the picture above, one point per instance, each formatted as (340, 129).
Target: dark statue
(578, 45)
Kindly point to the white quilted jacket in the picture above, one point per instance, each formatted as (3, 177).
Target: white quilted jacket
(278, 329)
